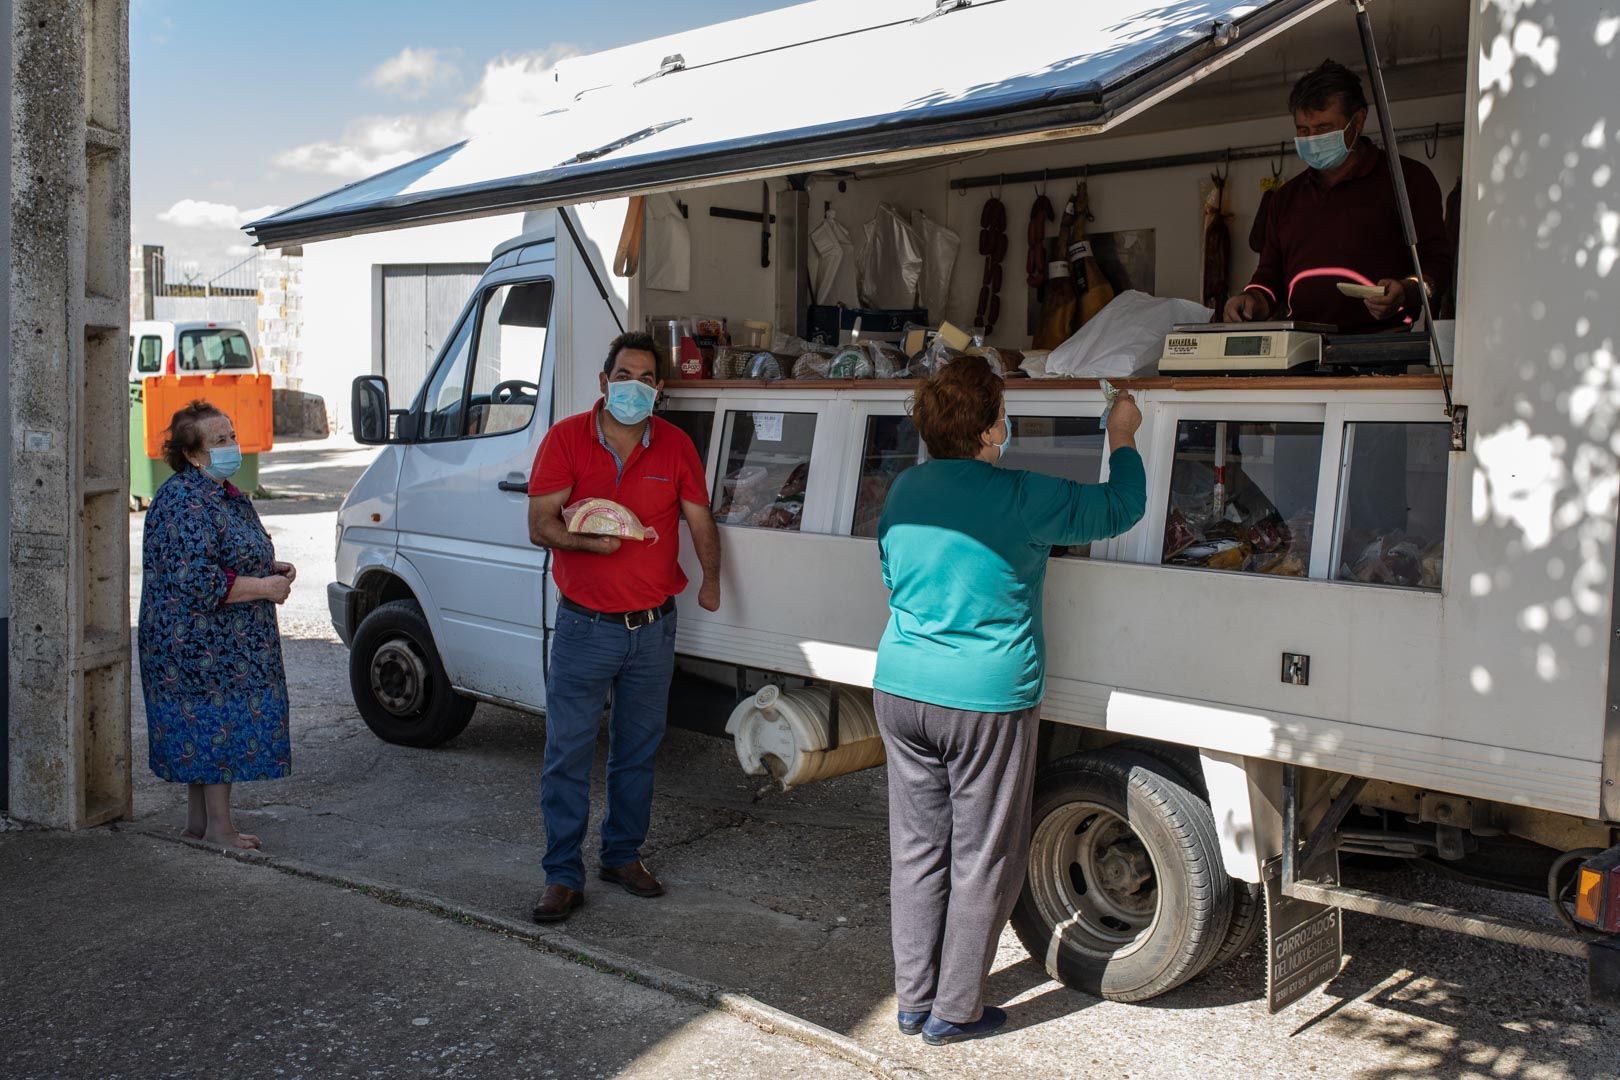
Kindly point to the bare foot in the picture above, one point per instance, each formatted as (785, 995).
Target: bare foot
(237, 840)
(251, 839)
(190, 833)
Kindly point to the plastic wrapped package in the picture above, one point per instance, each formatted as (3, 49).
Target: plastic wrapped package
(891, 261)
(939, 246)
(814, 364)
(1034, 364)
(604, 517)
(832, 263)
(1125, 338)
(735, 363)
(851, 362)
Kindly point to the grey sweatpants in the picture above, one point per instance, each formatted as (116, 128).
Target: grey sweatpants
(960, 785)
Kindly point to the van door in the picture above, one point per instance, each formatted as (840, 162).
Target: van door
(463, 488)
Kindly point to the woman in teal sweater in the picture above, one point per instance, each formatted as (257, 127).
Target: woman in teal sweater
(960, 677)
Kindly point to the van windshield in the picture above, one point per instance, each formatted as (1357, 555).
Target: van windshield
(214, 349)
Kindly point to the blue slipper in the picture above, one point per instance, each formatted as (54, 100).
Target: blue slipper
(911, 1023)
(937, 1032)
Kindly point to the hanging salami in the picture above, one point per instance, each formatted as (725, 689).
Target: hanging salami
(993, 246)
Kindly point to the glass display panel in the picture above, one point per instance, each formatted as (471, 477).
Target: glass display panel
(1392, 517)
(764, 469)
(892, 446)
(1243, 496)
(1070, 447)
(698, 425)
(506, 368)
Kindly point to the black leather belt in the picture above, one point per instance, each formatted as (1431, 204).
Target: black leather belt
(632, 620)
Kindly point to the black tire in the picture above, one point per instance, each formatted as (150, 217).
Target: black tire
(1123, 816)
(1248, 898)
(399, 683)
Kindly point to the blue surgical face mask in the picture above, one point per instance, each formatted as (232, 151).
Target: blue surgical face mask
(630, 401)
(223, 461)
(1325, 151)
(1006, 443)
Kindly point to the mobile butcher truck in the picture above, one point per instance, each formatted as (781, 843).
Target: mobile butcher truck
(1371, 607)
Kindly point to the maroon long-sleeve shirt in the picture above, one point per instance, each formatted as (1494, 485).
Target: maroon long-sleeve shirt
(1317, 236)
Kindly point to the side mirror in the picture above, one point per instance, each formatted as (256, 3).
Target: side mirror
(368, 408)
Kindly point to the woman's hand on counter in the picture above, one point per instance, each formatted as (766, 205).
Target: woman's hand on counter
(1123, 421)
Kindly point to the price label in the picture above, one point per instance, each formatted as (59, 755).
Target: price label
(768, 426)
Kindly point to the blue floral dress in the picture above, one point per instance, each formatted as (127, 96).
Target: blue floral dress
(211, 672)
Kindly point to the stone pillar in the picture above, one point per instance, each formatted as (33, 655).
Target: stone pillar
(68, 413)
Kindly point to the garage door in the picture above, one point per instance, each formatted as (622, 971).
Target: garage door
(420, 304)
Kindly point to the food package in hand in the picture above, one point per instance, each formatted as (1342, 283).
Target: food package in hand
(604, 517)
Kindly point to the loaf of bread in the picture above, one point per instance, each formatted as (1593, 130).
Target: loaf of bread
(604, 517)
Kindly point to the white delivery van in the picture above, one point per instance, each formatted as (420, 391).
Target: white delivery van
(189, 348)
(1428, 673)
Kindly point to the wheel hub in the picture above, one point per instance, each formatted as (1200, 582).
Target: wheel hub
(399, 678)
(1092, 878)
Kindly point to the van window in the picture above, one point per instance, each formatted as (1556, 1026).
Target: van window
(149, 361)
(892, 446)
(214, 349)
(506, 366)
(1070, 447)
(492, 389)
(764, 469)
(1243, 496)
(1392, 516)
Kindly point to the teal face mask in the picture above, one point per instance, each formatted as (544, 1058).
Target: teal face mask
(223, 461)
(1006, 443)
(630, 401)
(1325, 151)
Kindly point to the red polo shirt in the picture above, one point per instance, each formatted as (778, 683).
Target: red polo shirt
(1317, 236)
(663, 469)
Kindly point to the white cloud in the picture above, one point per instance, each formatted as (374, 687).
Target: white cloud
(414, 73)
(199, 214)
(511, 89)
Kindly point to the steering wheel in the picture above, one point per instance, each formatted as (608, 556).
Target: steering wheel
(511, 390)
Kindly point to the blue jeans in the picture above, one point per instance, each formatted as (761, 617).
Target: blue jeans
(588, 657)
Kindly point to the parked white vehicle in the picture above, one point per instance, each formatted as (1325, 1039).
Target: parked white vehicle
(1461, 700)
(189, 348)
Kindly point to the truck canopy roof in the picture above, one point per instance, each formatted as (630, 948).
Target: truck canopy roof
(821, 85)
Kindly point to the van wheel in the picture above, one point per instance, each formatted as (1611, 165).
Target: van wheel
(398, 682)
(1248, 898)
(1126, 897)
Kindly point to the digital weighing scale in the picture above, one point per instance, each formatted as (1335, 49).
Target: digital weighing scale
(1257, 348)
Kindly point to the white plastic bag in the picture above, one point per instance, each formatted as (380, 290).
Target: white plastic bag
(666, 262)
(1123, 339)
(832, 263)
(940, 246)
(891, 261)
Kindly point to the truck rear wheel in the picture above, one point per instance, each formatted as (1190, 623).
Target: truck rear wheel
(398, 681)
(1126, 897)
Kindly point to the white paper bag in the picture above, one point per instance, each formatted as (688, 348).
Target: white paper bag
(1123, 339)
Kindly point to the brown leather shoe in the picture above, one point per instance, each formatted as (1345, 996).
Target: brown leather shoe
(556, 904)
(635, 878)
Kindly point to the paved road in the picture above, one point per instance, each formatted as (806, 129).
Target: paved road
(785, 896)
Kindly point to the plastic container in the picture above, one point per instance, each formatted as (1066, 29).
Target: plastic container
(753, 336)
(784, 733)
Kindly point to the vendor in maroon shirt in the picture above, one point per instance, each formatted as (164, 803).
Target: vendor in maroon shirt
(1338, 222)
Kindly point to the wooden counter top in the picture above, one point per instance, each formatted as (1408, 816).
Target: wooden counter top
(1217, 382)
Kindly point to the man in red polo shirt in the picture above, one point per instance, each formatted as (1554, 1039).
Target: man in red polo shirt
(616, 615)
(1338, 222)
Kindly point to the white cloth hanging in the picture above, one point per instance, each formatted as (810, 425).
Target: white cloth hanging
(666, 261)
(832, 263)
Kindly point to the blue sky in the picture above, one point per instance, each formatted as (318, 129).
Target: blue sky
(238, 106)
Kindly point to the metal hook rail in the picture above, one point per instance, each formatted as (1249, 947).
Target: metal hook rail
(1267, 151)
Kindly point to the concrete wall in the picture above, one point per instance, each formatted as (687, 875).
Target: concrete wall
(340, 316)
(68, 550)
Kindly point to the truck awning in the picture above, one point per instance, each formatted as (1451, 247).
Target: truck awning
(916, 78)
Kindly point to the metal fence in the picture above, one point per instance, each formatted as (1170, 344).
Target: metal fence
(216, 295)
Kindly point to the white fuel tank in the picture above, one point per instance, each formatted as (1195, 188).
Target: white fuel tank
(785, 733)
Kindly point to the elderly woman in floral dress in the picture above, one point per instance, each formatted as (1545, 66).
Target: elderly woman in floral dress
(211, 669)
